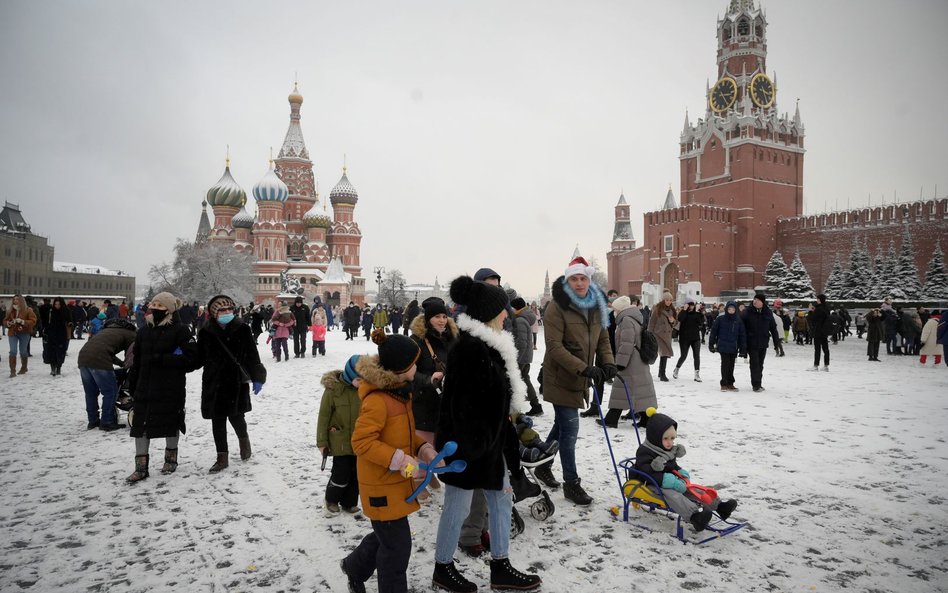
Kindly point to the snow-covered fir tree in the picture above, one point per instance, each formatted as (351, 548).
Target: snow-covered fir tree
(888, 283)
(857, 279)
(776, 272)
(905, 273)
(799, 285)
(876, 290)
(936, 279)
(833, 288)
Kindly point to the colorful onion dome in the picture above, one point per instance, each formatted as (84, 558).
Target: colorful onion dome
(226, 192)
(271, 188)
(316, 218)
(344, 192)
(243, 219)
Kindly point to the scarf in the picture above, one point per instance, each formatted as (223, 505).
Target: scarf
(594, 297)
(663, 456)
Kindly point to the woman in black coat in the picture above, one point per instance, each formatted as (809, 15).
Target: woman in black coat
(164, 353)
(875, 333)
(435, 333)
(232, 366)
(57, 329)
(690, 321)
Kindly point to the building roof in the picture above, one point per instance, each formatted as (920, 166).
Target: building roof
(344, 192)
(271, 188)
(61, 266)
(204, 225)
(11, 220)
(226, 192)
(243, 219)
(335, 274)
(670, 201)
(293, 144)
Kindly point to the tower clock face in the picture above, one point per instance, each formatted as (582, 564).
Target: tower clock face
(723, 94)
(762, 90)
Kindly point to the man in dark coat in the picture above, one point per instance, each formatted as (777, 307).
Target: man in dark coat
(761, 329)
(97, 358)
(351, 317)
(301, 313)
(875, 333)
(820, 327)
(78, 319)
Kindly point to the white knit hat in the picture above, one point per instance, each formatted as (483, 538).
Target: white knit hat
(621, 304)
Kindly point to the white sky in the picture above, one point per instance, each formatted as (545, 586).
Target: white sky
(478, 133)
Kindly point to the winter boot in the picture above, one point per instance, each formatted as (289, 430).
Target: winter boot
(814, 368)
(354, 585)
(447, 577)
(697, 376)
(535, 409)
(12, 366)
(612, 418)
(332, 507)
(141, 469)
(245, 451)
(23, 367)
(726, 508)
(221, 463)
(592, 412)
(826, 368)
(573, 491)
(675, 373)
(700, 520)
(545, 474)
(504, 577)
(171, 461)
(523, 488)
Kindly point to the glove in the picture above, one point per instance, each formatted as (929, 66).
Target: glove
(712, 348)
(673, 482)
(658, 464)
(178, 351)
(685, 473)
(595, 373)
(406, 465)
(257, 386)
(611, 370)
(743, 354)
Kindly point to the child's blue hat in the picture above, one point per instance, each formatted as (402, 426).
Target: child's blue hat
(349, 373)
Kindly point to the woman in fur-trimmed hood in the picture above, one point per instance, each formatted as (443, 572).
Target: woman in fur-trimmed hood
(435, 333)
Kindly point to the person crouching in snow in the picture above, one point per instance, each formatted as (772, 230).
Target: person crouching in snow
(657, 456)
(386, 446)
(338, 412)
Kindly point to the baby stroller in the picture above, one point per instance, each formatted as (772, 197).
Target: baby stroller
(123, 399)
(641, 490)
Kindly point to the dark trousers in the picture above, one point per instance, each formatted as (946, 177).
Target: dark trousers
(219, 428)
(299, 340)
(531, 392)
(727, 368)
(892, 344)
(343, 482)
(387, 549)
(695, 347)
(821, 344)
(662, 363)
(349, 333)
(873, 349)
(320, 347)
(757, 356)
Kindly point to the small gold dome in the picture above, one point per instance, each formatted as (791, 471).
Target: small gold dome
(295, 96)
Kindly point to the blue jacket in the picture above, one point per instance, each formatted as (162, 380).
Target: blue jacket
(761, 327)
(727, 333)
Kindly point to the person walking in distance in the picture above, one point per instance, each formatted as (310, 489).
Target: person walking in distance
(760, 327)
(661, 323)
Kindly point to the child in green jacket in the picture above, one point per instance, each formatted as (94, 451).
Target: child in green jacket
(337, 415)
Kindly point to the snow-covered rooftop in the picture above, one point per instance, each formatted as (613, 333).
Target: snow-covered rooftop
(61, 266)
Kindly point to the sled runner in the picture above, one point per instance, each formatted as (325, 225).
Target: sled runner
(641, 491)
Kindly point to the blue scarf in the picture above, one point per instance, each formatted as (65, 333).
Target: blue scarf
(594, 297)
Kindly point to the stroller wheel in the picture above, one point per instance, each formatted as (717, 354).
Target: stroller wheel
(540, 510)
(516, 524)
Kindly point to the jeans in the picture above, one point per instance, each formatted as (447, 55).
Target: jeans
(94, 382)
(388, 550)
(457, 503)
(21, 342)
(565, 430)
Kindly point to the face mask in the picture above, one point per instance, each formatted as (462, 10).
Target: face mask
(157, 316)
(225, 318)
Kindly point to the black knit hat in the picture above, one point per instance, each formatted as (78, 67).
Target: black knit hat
(761, 297)
(518, 303)
(434, 306)
(396, 353)
(482, 301)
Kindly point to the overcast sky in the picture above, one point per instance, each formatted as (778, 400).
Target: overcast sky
(477, 133)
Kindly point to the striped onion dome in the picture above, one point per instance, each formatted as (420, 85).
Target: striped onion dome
(271, 188)
(344, 192)
(226, 192)
(316, 218)
(243, 219)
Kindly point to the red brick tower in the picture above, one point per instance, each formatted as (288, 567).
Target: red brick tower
(296, 170)
(269, 235)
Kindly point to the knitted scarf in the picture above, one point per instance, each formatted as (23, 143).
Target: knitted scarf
(663, 456)
(594, 297)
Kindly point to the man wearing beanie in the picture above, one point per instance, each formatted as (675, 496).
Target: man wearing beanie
(760, 328)
(576, 332)
(301, 314)
(338, 411)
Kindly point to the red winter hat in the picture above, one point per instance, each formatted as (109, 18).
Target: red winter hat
(579, 266)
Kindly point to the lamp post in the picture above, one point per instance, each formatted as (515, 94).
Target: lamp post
(378, 281)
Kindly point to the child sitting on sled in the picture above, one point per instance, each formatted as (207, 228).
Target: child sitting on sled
(657, 456)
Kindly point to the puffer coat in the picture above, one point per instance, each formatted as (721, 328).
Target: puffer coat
(224, 389)
(338, 412)
(636, 374)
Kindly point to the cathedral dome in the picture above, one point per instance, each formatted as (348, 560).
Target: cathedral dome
(316, 218)
(295, 96)
(226, 192)
(271, 188)
(344, 192)
(243, 219)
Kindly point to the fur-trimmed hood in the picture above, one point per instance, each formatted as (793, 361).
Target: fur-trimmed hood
(559, 295)
(370, 371)
(503, 343)
(419, 328)
(331, 378)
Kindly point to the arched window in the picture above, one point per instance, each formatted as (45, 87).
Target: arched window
(743, 27)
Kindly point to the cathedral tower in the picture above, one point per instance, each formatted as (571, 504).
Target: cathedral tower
(295, 169)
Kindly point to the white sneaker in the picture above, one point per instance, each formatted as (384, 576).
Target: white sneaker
(816, 368)
(826, 368)
(675, 373)
(697, 377)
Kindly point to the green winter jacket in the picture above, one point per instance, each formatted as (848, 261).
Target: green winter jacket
(338, 411)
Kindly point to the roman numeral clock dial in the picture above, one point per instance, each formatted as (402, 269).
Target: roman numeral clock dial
(722, 94)
(762, 90)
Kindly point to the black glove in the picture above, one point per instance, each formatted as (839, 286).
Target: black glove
(595, 373)
(712, 348)
(611, 371)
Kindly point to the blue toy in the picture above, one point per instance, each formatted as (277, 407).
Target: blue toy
(458, 465)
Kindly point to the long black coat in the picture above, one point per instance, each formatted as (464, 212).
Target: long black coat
(819, 320)
(351, 316)
(224, 390)
(426, 401)
(876, 329)
(158, 379)
(475, 406)
(689, 326)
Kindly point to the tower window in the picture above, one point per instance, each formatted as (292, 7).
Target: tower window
(743, 27)
(668, 243)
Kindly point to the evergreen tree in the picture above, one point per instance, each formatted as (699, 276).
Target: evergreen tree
(858, 279)
(888, 284)
(799, 285)
(833, 287)
(876, 290)
(776, 272)
(936, 279)
(905, 273)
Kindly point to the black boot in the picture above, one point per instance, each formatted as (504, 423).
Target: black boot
(354, 585)
(171, 461)
(726, 508)
(245, 451)
(612, 418)
(700, 520)
(545, 474)
(592, 412)
(141, 469)
(522, 487)
(447, 577)
(503, 576)
(535, 409)
(662, 363)
(573, 491)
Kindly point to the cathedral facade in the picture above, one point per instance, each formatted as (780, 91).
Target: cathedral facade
(298, 247)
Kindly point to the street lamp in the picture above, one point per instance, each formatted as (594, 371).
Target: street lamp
(378, 280)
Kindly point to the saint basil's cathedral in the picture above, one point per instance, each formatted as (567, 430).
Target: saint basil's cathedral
(741, 180)
(292, 237)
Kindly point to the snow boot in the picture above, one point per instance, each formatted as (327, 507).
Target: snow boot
(545, 474)
(221, 463)
(573, 491)
(171, 461)
(23, 367)
(700, 520)
(504, 577)
(591, 412)
(826, 368)
(12, 366)
(697, 376)
(245, 451)
(726, 508)
(447, 577)
(332, 507)
(141, 469)
(523, 488)
(354, 585)
(612, 418)
(535, 409)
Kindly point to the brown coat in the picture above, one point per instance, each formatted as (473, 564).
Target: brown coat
(661, 323)
(25, 313)
(574, 340)
(385, 423)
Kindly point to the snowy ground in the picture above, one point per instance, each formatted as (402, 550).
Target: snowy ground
(842, 475)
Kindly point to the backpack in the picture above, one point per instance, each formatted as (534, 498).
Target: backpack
(648, 349)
